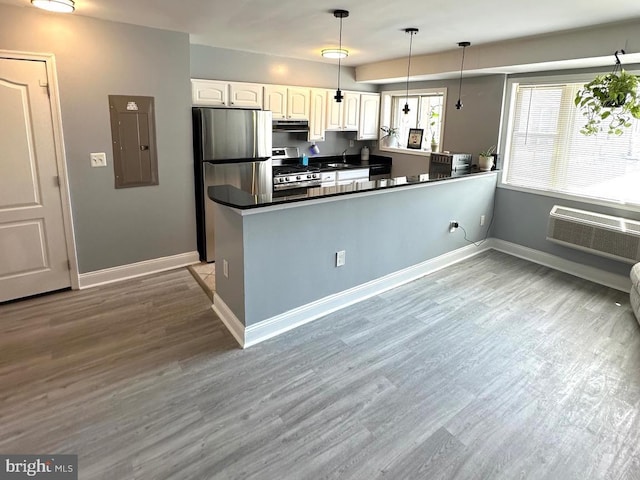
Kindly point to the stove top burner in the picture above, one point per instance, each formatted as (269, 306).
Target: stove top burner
(291, 169)
(295, 176)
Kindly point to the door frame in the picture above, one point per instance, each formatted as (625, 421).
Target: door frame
(61, 158)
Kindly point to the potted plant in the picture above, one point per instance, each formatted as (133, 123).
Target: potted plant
(485, 159)
(613, 97)
(432, 123)
(390, 138)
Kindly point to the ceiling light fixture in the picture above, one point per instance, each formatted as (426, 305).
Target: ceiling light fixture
(340, 14)
(335, 53)
(459, 102)
(411, 32)
(59, 6)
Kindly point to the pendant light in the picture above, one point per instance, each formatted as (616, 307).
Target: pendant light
(340, 14)
(411, 32)
(59, 6)
(459, 102)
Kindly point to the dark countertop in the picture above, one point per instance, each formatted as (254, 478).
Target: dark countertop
(353, 161)
(236, 198)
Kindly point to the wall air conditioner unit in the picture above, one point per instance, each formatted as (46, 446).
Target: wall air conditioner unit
(612, 237)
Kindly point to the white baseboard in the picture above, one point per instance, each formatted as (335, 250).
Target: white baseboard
(271, 327)
(592, 274)
(233, 324)
(133, 270)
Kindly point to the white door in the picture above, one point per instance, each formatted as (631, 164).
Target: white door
(298, 103)
(245, 95)
(33, 253)
(275, 99)
(209, 93)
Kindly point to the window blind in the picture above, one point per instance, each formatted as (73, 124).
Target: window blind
(547, 152)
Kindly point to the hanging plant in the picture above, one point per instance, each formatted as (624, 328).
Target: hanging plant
(613, 97)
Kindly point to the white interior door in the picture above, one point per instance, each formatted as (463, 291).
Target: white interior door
(33, 253)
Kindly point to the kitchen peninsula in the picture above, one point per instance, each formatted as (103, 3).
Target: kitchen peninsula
(277, 258)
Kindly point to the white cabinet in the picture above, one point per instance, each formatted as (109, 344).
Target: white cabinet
(275, 99)
(287, 102)
(209, 93)
(369, 116)
(245, 95)
(351, 111)
(344, 115)
(214, 93)
(298, 103)
(317, 115)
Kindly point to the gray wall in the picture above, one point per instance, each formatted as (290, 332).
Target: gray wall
(334, 144)
(95, 59)
(234, 65)
(522, 218)
(289, 255)
(471, 129)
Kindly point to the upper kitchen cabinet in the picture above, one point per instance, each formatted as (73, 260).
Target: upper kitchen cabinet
(344, 115)
(317, 115)
(245, 95)
(369, 116)
(209, 93)
(214, 93)
(287, 102)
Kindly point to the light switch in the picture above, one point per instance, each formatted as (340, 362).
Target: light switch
(98, 159)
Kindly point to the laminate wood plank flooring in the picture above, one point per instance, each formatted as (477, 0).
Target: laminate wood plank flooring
(493, 368)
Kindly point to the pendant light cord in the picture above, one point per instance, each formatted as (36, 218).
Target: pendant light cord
(464, 45)
(406, 100)
(461, 68)
(339, 57)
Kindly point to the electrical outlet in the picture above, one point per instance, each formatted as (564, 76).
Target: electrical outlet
(351, 143)
(225, 268)
(452, 226)
(98, 159)
(340, 258)
(481, 220)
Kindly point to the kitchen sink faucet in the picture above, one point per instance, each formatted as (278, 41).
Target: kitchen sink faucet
(344, 155)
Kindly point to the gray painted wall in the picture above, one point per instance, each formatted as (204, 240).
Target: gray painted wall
(289, 255)
(522, 218)
(95, 59)
(235, 65)
(471, 129)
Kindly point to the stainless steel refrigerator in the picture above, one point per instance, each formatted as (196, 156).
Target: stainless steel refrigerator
(231, 147)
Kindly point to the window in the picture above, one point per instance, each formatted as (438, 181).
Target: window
(546, 151)
(426, 112)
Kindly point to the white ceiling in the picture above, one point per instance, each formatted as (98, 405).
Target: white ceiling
(372, 32)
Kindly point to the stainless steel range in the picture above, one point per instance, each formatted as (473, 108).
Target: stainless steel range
(288, 174)
(287, 177)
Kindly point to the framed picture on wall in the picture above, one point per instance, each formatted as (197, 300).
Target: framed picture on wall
(415, 138)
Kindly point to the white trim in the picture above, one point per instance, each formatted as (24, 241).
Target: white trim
(138, 269)
(61, 162)
(274, 326)
(233, 324)
(592, 274)
(271, 327)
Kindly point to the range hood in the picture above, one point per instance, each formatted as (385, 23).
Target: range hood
(282, 125)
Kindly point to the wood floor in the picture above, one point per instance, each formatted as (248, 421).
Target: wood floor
(494, 368)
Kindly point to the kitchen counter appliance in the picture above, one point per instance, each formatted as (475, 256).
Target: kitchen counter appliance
(289, 174)
(231, 147)
(443, 165)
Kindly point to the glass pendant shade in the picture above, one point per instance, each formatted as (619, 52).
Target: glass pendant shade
(59, 6)
(335, 53)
